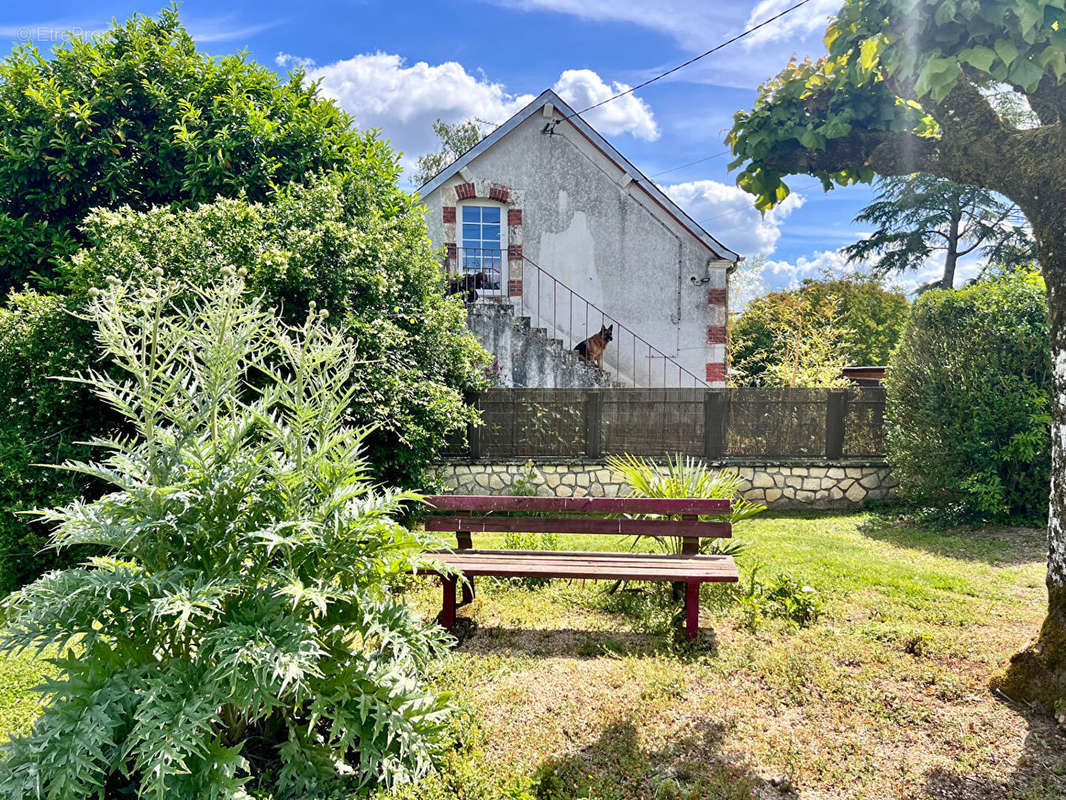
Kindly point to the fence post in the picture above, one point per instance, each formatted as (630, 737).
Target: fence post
(715, 423)
(473, 432)
(593, 423)
(835, 408)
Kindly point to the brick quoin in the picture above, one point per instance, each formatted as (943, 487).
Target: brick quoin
(449, 213)
(715, 372)
(514, 216)
(716, 297)
(716, 334)
(514, 251)
(465, 191)
(514, 288)
(499, 193)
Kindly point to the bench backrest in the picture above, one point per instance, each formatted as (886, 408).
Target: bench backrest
(466, 514)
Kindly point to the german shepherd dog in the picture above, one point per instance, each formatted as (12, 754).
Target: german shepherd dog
(591, 350)
(468, 283)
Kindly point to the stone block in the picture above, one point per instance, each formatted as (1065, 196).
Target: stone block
(835, 473)
(871, 481)
(812, 484)
(564, 491)
(856, 493)
(569, 479)
(762, 480)
(596, 490)
(773, 495)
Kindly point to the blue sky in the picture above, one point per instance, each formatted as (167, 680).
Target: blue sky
(398, 66)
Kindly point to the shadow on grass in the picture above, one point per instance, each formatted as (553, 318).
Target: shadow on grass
(1039, 774)
(577, 643)
(617, 766)
(995, 545)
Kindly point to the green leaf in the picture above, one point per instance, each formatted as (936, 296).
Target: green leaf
(1006, 50)
(1026, 74)
(869, 53)
(979, 56)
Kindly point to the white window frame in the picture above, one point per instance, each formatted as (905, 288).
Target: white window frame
(501, 290)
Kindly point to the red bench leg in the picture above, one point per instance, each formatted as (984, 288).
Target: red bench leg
(692, 610)
(447, 613)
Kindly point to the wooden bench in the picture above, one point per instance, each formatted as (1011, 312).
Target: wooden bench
(467, 514)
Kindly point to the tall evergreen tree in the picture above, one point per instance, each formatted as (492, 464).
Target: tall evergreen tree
(920, 215)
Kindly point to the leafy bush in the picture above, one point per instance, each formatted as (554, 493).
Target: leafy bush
(684, 476)
(823, 323)
(138, 117)
(235, 636)
(376, 275)
(969, 385)
(44, 422)
(784, 597)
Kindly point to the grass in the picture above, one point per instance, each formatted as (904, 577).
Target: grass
(567, 691)
(570, 692)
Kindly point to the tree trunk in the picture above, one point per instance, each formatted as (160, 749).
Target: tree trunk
(952, 257)
(1039, 672)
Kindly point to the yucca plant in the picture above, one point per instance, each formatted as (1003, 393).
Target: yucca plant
(685, 476)
(236, 636)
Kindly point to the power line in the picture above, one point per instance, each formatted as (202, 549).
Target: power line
(692, 60)
(689, 164)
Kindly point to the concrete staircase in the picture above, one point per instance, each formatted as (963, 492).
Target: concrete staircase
(529, 357)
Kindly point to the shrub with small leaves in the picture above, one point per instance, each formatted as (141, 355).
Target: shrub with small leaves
(235, 636)
(969, 403)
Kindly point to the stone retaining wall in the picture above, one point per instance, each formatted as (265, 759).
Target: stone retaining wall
(844, 484)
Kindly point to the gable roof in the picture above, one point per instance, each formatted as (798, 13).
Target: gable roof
(571, 117)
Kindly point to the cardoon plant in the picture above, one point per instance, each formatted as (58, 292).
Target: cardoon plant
(236, 636)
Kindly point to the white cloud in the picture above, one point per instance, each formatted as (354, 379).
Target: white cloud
(582, 88)
(788, 274)
(801, 23)
(382, 91)
(729, 214)
(223, 29)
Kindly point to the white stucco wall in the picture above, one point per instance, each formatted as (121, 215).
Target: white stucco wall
(596, 232)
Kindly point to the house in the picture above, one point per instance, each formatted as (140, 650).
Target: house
(559, 238)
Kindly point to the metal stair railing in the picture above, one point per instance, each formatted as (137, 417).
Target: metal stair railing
(626, 348)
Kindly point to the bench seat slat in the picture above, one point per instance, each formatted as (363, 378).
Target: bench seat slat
(627, 527)
(578, 505)
(601, 566)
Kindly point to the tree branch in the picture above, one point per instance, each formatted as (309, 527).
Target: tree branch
(1048, 101)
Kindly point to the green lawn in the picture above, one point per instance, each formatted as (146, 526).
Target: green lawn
(568, 691)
